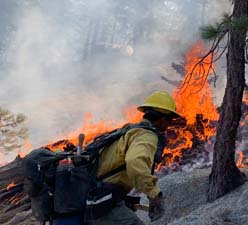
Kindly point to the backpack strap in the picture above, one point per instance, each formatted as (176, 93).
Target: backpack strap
(122, 131)
(159, 152)
(99, 142)
(112, 172)
(161, 142)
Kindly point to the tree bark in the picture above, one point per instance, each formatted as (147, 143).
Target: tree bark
(225, 176)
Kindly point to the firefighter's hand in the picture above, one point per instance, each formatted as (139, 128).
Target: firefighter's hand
(156, 207)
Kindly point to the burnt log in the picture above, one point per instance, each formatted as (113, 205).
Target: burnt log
(12, 172)
(7, 193)
(13, 200)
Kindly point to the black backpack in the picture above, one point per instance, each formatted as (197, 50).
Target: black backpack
(73, 188)
(39, 172)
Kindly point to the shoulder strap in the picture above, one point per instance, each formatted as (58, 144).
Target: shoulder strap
(112, 172)
(159, 151)
(120, 132)
(160, 146)
(108, 138)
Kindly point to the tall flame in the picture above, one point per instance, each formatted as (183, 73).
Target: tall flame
(194, 102)
(194, 96)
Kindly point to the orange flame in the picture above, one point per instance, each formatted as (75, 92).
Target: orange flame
(194, 102)
(245, 97)
(92, 129)
(239, 161)
(243, 123)
(242, 161)
(12, 184)
(194, 97)
(16, 199)
(26, 148)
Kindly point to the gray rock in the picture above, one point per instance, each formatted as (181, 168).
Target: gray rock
(185, 197)
(183, 193)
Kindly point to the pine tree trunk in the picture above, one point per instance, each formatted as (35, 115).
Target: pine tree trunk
(225, 176)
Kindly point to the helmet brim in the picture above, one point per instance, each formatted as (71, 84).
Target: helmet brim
(164, 111)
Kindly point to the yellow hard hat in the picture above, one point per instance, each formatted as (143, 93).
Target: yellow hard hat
(160, 101)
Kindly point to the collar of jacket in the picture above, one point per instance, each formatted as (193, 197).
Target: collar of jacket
(146, 121)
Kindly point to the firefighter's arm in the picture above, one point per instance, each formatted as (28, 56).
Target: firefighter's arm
(139, 159)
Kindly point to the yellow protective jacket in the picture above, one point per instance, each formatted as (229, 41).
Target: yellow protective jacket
(136, 149)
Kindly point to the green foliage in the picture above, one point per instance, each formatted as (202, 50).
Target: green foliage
(3, 112)
(240, 24)
(12, 130)
(226, 18)
(212, 32)
(20, 118)
(209, 32)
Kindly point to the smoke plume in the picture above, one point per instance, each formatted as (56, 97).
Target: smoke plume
(49, 72)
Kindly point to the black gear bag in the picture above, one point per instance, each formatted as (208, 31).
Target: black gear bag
(39, 172)
(77, 183)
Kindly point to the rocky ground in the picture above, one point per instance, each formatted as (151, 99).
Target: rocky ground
(185, 198)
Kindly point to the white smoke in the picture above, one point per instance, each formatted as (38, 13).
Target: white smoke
(43, 73)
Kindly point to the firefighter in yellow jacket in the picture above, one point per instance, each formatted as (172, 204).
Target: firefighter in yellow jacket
(136, 149)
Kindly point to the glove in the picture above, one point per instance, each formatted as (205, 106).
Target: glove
(156, 207)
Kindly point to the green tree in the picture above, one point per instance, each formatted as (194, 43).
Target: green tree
(12, 130)
(225, 176)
